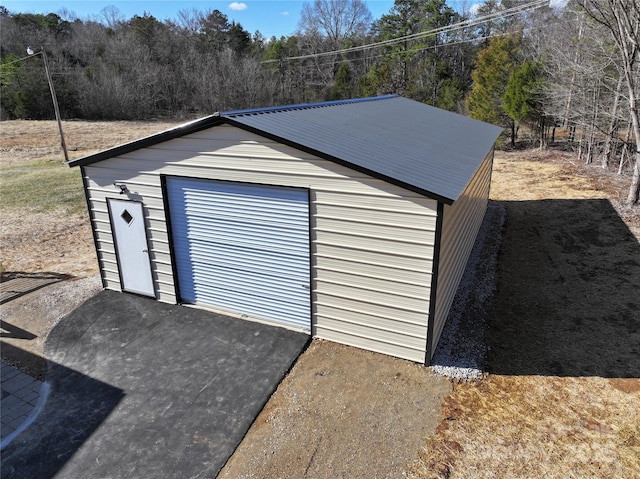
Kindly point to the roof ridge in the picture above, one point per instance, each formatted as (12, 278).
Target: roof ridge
(300, 106)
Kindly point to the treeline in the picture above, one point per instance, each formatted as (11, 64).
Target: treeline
(512, 63)
(130, 69)
(201, 62)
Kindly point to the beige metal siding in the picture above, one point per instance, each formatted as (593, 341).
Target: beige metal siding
(371, 242)
(461, 222)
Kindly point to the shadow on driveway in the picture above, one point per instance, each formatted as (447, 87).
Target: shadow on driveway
(69, 417)
(144, 389)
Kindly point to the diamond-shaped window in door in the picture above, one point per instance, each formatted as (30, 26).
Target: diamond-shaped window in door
(127, 217)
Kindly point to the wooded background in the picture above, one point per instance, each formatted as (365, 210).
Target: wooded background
(512, 63)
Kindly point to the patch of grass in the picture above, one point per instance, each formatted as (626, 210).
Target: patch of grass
(41, 186)
(534, 426)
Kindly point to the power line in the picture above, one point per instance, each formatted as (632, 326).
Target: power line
(15, 61)
(446, 29)
(409, 52)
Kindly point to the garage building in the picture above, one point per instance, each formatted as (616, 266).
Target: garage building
(352, 220)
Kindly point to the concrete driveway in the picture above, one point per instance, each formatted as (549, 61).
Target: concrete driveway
(143, 389)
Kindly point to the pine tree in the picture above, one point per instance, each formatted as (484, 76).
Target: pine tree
(494, 66)
(343, 87)
(521, 99)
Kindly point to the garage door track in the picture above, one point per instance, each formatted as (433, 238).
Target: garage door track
(144, 389)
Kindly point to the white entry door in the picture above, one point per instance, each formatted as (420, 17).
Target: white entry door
(130, 237)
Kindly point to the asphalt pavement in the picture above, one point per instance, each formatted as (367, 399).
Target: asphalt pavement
(139, 388)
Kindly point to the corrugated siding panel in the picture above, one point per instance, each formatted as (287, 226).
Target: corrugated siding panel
(461, 223)
(368, 263)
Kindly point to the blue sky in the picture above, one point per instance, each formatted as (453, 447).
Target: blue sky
(271, 17)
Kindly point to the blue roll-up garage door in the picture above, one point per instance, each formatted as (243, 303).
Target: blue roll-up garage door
(242, 248)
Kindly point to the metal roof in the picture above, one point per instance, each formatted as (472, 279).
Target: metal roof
(422, 148)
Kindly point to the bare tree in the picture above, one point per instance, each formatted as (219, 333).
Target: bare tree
(190, 20)
(621, 18)
(614, 124)
(112, 16)
(335, 19)
(324, 27)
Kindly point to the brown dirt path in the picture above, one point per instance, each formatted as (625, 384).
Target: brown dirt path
(342, 412)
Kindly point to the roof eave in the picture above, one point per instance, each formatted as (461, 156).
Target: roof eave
(181, 130)
(218, 119)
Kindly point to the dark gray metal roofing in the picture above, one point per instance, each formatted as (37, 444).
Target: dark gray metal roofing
(416, 146)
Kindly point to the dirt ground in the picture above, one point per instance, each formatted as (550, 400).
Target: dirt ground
(342, 412)
(562, 394)
(23, 140)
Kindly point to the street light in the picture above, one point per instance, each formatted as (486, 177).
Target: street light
(31, 52)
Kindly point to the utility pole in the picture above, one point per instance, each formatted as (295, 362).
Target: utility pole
(53, 97)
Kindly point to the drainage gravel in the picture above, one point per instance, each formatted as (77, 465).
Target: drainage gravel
(462, 348)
